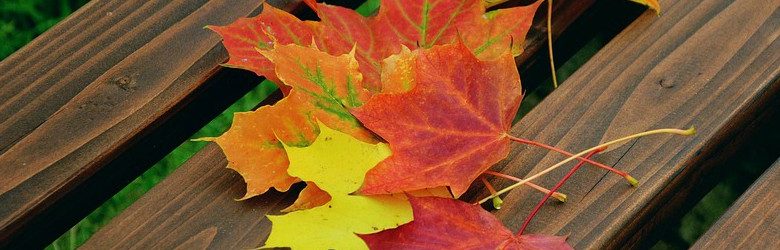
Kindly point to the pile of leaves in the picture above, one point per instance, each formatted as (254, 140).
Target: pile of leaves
(388, 119)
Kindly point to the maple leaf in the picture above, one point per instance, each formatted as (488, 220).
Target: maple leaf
(252, 146)
(411, 23)
(501, 29)
(337, 163)
(246, 36)
(451, 126)
(441, 223)
(414, 24)
(332, 84)
(324, 88)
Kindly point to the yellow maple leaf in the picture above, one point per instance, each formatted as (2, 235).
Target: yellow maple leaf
(337, 164)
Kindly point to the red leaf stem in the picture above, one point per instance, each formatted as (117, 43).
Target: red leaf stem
(554, 189)
(566, 153)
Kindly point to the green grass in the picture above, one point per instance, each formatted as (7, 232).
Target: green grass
(23, 20)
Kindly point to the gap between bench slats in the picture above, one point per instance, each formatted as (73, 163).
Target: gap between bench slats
(707, 63)
(752, 222)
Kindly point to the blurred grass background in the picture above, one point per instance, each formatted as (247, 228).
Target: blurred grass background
(23, 20)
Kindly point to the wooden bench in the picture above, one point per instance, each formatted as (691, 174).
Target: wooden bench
(89, 105)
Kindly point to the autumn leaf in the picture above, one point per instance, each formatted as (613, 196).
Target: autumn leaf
(331, 84)
(419, 24)
(337, 162)
(252, 146)
(424, 23)
(324, 88)
(450, 127)
(412, 24)
(502, 28)
(441, 223)
(246, 36)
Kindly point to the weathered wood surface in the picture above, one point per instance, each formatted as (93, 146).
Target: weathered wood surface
(92, 87)
(753, 221)
(709, 63)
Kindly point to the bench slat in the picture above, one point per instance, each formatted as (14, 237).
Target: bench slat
(94, 86)
(752, 222)
(709, 63)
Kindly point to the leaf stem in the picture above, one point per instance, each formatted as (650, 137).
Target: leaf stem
(566, 153)
(561, 197)
(690, 131)
(555, 188)
(550, 43)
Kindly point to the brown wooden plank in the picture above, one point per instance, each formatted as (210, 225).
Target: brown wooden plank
(752, 222)
(180, 212)
(709, 63)
(94, 87)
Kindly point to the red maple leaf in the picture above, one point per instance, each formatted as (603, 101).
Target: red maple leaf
(420, 24)
(450, 127)
(441, 223)
(411, 24)
(244, 37)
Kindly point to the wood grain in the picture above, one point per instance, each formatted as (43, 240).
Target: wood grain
(81, 95)
(752, 222)
(709, 63)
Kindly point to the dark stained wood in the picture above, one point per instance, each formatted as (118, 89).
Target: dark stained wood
(196, 198)
(93, 88)
(753, 221)
(709, 63)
